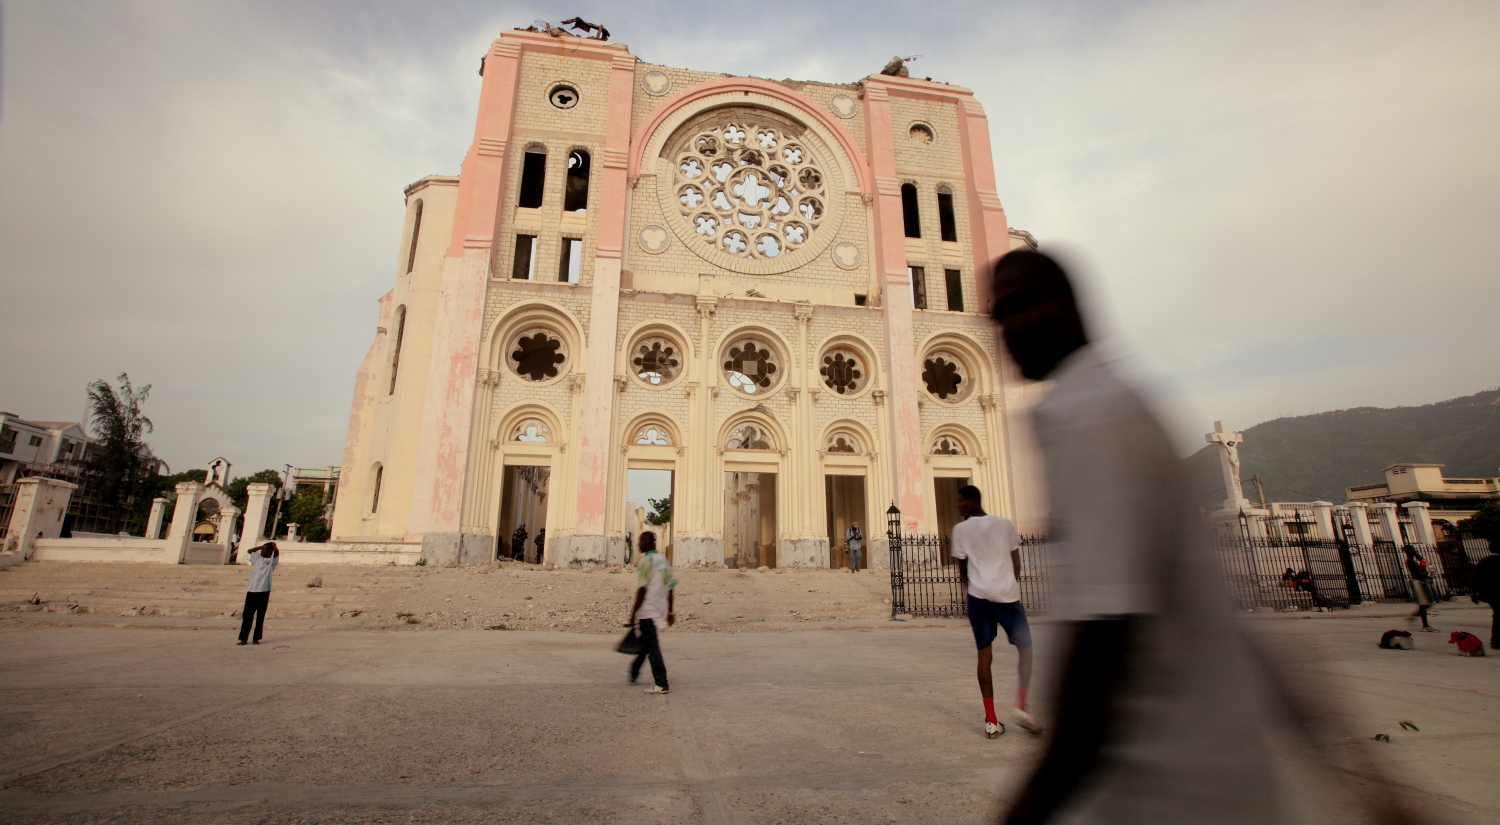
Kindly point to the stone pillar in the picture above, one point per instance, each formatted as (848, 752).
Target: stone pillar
(257, 505)
(1323, 515)
(889, 259)
(228, 515)
(188, 494)
(1361, 522)
(1385, 513)
(41, 504)
(1421, 522)
(158, 515)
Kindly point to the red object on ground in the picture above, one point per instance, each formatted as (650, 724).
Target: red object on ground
(1467, 642)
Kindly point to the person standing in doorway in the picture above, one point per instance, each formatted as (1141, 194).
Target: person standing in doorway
(1421, 585)
(854, 538)
(518, 543)
(988, 551)
(263, 561)
(653, 601)
(541, 544)
(1487, 590)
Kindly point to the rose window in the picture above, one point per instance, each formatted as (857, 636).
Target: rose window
(842, 372)
(945, 376)
(656, 361)
(749, 367)
(749, 190)
(537, 354)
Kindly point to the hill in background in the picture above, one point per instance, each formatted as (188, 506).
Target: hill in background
(1314, 457)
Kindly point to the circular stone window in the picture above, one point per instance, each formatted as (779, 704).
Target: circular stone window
(921, 134)
(537, 354)
(946, 376)
(750, 366)
(563, 96)
(656, 360)
(749, 189)
(843, 371)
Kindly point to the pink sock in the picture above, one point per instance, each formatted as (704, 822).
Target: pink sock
(1021, 698)
(989, 710)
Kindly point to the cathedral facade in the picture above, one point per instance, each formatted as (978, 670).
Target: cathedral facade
(774, 291)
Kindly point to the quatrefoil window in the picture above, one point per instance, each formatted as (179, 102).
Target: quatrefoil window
(748, 437)
(536, 355)
(531, 430)
(945, 377)
(656, 361)
(738, 182)
(842, 444)
(653, 436)
(947, 446)
(842, 372)
(749, 367)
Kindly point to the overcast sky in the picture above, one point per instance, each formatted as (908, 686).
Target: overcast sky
(1284, 207)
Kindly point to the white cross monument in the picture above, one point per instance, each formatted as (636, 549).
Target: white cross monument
(1229, 462)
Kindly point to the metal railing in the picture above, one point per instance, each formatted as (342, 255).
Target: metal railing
(1290, 573)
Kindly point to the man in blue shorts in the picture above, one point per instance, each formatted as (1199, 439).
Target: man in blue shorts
(987, 549)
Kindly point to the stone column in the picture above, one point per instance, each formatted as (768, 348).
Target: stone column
(228, 516)
(188, 493)
(41, 504)
(158, 515)
(1421, 522)
(889, 259)
(1323, 515)
(1385, 513)
(257, 506)
(1361, 522)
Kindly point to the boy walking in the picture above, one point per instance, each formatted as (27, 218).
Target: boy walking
(987, 549)
(653, 600)
(263, 561)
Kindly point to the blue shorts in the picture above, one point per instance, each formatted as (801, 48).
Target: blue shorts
(984, 615)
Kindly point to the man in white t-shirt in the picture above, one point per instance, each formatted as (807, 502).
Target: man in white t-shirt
(987, 549)
(653, 601)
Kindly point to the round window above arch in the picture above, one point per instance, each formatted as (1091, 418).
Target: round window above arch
(531, 430)
(947, 376)
(843, 441)
(652, 435)
(749, 437)
(537, 354)
(947, 444)
(752, 365)
(843, 370)
(656, 359)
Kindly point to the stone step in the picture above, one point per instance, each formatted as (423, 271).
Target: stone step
(276, 625)
(61, 608)
(215, 605)
(10, 594)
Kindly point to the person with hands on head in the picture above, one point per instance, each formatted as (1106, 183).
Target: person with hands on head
(653, 601)
(263, 561)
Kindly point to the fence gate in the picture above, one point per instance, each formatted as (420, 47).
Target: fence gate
(925, 580)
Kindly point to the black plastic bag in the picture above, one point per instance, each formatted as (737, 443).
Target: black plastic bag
(630, 645)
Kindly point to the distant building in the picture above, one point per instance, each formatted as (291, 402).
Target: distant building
(53, 449)
(1449, 499)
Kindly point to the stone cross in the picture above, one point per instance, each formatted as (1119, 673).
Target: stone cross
(1229, 462)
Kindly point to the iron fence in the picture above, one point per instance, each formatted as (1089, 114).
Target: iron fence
(1287, 573)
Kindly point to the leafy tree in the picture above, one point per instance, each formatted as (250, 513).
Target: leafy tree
(307, 510)
(158, 486)
(661, 511)
(118, 466)
(1485, 523)
(239, 489)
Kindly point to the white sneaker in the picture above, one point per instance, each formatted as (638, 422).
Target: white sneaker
(993, 729)
(1027, 721)
(656, 689)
